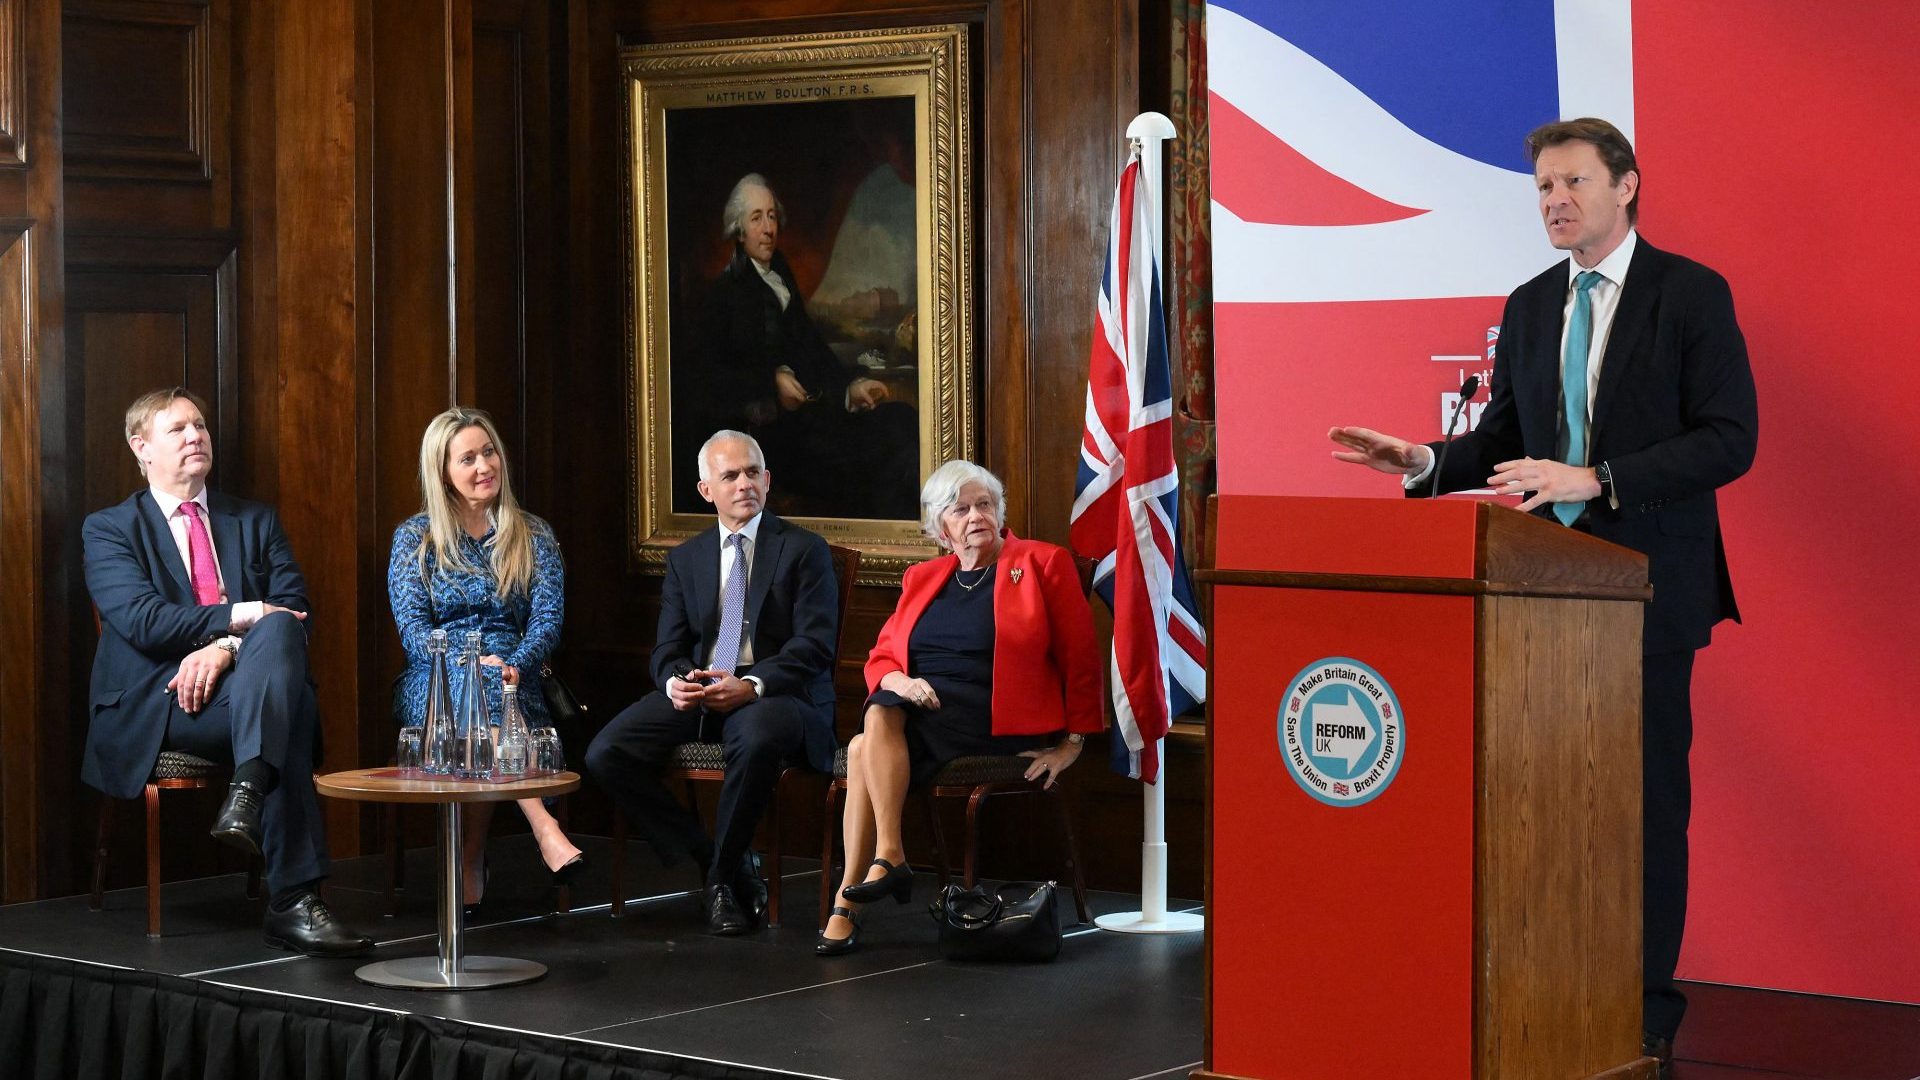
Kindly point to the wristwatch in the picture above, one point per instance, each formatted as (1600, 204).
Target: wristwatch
(229, 643)
(1076, 738)
(1603, 472)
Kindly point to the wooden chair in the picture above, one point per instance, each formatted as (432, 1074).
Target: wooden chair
(703, 762)
(173, 771)
(976, 779)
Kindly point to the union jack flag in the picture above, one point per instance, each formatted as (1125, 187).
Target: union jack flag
(1126, 507)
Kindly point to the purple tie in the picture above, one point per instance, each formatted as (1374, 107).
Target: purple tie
(205, 575)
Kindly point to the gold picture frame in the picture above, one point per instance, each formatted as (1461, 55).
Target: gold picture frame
(855, 135)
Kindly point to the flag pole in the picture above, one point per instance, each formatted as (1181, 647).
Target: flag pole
(1151, 130)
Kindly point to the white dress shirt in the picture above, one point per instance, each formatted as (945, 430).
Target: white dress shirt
(246, 612)
(1603, 301)
(773, 281)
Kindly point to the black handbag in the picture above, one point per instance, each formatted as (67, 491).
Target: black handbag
(1016, 921)
(564, 710)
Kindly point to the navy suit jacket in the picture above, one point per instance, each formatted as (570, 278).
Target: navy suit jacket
(792, 616)
(150, 621)
(1674, 416)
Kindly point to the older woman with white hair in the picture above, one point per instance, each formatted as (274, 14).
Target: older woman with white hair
(989, 651)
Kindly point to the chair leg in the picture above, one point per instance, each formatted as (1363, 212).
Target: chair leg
(773, 852)
(153, 860)
(1063, 801)
(396, 855)
(829, 832)
(102, 835)
(618, 871)
(943, 862)
(563, 893)
(973, 837)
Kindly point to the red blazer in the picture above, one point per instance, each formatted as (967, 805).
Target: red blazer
(1045, 672)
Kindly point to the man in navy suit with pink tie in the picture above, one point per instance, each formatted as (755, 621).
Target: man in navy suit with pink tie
(203, 649)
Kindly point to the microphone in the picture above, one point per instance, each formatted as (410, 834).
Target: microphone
(1467, 390)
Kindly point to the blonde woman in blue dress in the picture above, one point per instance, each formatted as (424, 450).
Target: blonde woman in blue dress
(472, 559)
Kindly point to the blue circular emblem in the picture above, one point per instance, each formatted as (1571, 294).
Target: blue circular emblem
(1341, 732)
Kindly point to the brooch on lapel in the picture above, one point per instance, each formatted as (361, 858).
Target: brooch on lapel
(1015, 574)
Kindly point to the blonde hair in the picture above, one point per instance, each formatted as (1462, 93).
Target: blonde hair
(511, 554)
(152, 404)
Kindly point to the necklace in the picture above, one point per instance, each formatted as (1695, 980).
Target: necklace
(985, 572)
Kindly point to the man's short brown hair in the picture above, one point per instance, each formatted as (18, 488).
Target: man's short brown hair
(152, 404)
(1616, 153)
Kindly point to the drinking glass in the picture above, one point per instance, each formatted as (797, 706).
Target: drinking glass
(407, 755)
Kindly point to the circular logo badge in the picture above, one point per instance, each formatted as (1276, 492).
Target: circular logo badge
(1341, 731)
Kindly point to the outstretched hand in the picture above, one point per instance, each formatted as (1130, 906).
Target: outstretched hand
(1381, 453)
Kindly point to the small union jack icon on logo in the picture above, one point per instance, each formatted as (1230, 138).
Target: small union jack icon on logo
(1339, 788)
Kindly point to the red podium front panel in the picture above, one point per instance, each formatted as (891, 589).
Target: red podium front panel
(1351, 922)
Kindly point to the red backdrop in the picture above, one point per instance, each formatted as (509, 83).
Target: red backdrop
(1776, 145)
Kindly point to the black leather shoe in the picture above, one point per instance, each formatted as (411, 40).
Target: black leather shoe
(826, 946)
(750, 888)
(308, 927)
(239, 820)
(724, 916)
(897, 883)
(1659, 1048)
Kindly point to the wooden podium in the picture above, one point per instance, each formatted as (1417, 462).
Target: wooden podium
(1423, 796)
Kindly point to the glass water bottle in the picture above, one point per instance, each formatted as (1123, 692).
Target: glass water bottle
(473, 738)
(510, 750)
(438, 739)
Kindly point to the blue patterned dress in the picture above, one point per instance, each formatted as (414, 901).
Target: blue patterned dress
(522, 629)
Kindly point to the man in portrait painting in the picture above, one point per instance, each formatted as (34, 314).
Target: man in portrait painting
(854, 452)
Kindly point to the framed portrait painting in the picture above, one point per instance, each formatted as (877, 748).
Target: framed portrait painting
(801, 270)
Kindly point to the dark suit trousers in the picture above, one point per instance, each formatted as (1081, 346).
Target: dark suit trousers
(1667, 799)
(629, 755)
(264, 708)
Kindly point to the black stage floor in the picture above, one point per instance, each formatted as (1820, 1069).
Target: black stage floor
(1113, 1005)
(653, 985)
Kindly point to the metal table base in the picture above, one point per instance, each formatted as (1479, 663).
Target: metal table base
(452, 969)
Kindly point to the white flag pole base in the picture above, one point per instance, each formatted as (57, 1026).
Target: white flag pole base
(1134, 922)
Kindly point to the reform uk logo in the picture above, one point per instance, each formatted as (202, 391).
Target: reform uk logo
(1341, 731)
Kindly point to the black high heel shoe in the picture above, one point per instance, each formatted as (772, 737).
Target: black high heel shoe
(570, 869)
(897, 883)
(826, 946)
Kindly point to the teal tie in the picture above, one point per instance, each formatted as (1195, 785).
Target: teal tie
(1573, 382)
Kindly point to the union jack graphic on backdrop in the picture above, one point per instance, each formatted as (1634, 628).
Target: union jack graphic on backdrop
(1126, 506)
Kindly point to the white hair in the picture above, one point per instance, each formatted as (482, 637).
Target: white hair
(942, 489)
(733, 219)
(728, 435)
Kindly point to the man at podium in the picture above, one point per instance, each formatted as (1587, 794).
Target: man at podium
(1622, 400)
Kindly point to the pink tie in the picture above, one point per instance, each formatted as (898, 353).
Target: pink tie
(205, 575)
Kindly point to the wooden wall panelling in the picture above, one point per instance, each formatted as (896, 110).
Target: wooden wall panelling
(36, 718)
(515, 235)
(325, 490)
(414, 373)
(13, 80)
(128, 333)
(147, 124)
